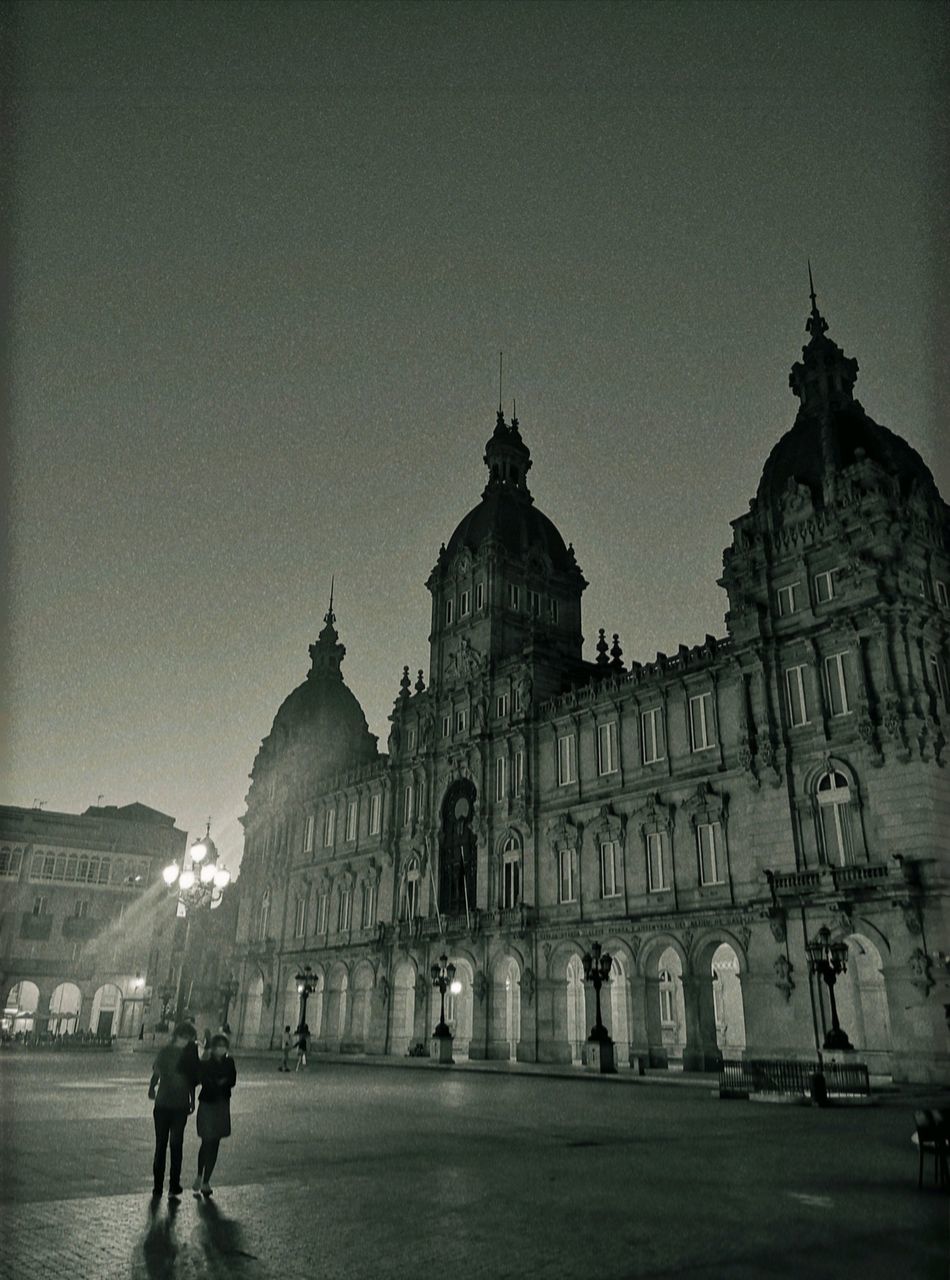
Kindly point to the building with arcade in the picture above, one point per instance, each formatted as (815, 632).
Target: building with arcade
(702, 814)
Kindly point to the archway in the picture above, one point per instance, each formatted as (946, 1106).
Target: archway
(64, 1006)
(458, 850)
(505, 1011)
(576, 1009)
(19, 1010)
(619, 989)
(337, 1004)
(403, 1009)
(861, 997)
(253, 1007)
(362, 1009)
(728, 1008)
(106, 1011)
(459, 1008)
(666, 1008)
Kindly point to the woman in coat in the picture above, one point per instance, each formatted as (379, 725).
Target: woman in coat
(217, 1078)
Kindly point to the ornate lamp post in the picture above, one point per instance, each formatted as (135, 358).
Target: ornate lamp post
(199, 883)
(600, 1053)
(826, 959)
(443, 979)
(306, 986)
(166, 994)
(229, 989)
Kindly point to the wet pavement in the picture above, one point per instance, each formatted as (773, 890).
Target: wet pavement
(355, 1170)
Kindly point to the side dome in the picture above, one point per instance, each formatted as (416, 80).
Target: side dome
(319, 730)
(507, 512)
(832, 432)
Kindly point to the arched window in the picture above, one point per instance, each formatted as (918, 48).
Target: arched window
(511, 872)
(410, 890)
(834, 818)
(667, 1006)
(264, 913)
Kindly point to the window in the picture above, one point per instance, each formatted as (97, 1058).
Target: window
(921, 589)
(656, 862)
(446, 726)
(346, 903)
(566, 760)
(375, 808)
(351, 820)
(567, 875)
(825, 586)
(323, 911)
(300, 917)
(465, 604)
(651, 735)
(39, 906)
(511, 873)
(263, 914)
(834, 810)
(667, 988)
(609, 869)
(514, 596)
(795, 692)
(942, 593)
(837, 684)
(501, 779)
(502, 705)
(308, 834)
(368, 918)
(700, 722)
(534, 603)
(460, 721)
(607, 748)
(517, 700)
(788, 599)
(479, 596)
(329, 828)
(407, 799)
(449, 612)
(10, 862)
(411, 739)
(708, 839)
(519, 772)
(81, 909)
(552, 609)
(411, 891)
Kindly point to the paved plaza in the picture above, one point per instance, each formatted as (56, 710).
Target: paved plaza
(374, 1171)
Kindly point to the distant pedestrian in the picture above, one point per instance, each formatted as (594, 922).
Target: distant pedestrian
(286, 1043)
(303, 1044)
(206, 1046)
(218, 1076)
(172, 1087)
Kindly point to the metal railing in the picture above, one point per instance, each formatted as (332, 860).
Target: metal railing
(793, 1078)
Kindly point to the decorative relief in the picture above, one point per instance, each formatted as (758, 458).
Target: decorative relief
(920, 966)
(480, 986)
(783, 976)
(528, 985)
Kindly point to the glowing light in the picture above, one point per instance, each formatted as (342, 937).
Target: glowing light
(300, 990)
(208, 872)
(199, 850)
(186, 879)
(222, 878)
(170, 874)
(138, 983)
(456, 988)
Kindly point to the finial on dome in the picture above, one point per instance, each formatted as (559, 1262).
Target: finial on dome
(420, 683)
(816, 324)
(616, 654)
(602, 648)
(405, 684)
(330, 616)
(501, 356)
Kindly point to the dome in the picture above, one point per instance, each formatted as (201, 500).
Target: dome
(507, 511)
(517, 524)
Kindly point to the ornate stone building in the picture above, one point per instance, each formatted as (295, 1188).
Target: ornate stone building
(702, 815)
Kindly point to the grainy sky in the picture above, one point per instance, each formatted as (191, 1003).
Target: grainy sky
(264, 257)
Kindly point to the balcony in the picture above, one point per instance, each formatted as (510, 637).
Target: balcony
(830, 879)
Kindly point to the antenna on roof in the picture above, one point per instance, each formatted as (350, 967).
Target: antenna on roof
(38, 804)
(99, 798)
(500, 368)
(811, 285)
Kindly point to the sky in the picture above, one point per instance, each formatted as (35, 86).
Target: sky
(264, 257)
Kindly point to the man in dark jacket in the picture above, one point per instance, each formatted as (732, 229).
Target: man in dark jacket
(172, 1087)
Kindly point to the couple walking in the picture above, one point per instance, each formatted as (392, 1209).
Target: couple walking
(176, 1075)
(302, 1045)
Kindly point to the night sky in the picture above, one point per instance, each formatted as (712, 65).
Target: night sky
(264, 258)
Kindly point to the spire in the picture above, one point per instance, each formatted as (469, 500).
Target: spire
(824, 378)
(327, 654)
(816, 324)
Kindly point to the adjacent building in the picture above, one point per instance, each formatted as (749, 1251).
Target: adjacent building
(702, 814)
(82, 900)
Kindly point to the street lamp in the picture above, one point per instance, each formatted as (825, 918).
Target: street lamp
(443, 979)
(826, 959)
(597, 963)
(306, 986)
(199, 880)
(229, 989)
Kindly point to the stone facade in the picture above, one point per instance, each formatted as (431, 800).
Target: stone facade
(83, 903)
(702, 815)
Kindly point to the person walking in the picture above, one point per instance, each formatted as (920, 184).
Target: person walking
(286, 1043)
(172, 1088)
(303, 1043)
(218, 1076)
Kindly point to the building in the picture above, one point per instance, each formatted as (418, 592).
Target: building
(81, 898)
(702, 815)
